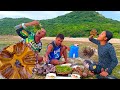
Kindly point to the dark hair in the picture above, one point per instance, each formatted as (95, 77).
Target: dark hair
(61, 36)
(109, 35)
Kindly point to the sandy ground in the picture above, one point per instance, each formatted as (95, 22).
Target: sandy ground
(81, 39)
(113, 40)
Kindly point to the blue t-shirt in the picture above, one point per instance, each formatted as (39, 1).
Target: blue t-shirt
(107, 56)
(55, 53)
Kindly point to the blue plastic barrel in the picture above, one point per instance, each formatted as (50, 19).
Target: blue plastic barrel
(74, 51)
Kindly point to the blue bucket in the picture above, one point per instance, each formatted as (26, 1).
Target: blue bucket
(74, 52)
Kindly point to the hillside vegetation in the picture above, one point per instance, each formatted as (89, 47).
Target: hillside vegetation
(73, 24)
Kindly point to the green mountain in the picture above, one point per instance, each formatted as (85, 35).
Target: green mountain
(73, 24)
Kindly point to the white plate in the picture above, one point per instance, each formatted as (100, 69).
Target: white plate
(75, 76)
(48, 76)
(59, 77)
(78, 66)
(62, 77)
(67, 64)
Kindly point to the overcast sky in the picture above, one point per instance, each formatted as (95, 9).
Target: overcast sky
(36, 15)
(39, 15)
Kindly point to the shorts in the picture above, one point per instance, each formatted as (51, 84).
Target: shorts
(50, 59)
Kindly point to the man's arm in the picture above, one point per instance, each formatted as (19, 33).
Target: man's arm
(114, 59)
(20, 28)
(93, 40)
(49, 49)
(66, 47)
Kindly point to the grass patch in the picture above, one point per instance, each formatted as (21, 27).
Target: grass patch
(116, 71)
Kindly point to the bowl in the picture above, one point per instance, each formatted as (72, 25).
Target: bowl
(63, 70)
(51, 76)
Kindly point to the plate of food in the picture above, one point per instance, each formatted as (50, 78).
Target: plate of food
(51, 76)
(75, 66)
(75, 76)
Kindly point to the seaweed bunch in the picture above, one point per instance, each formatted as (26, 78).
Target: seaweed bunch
(93, 32)
(87, 52)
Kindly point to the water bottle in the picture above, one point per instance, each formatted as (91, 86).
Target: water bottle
(74, 55)
(74, 51)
